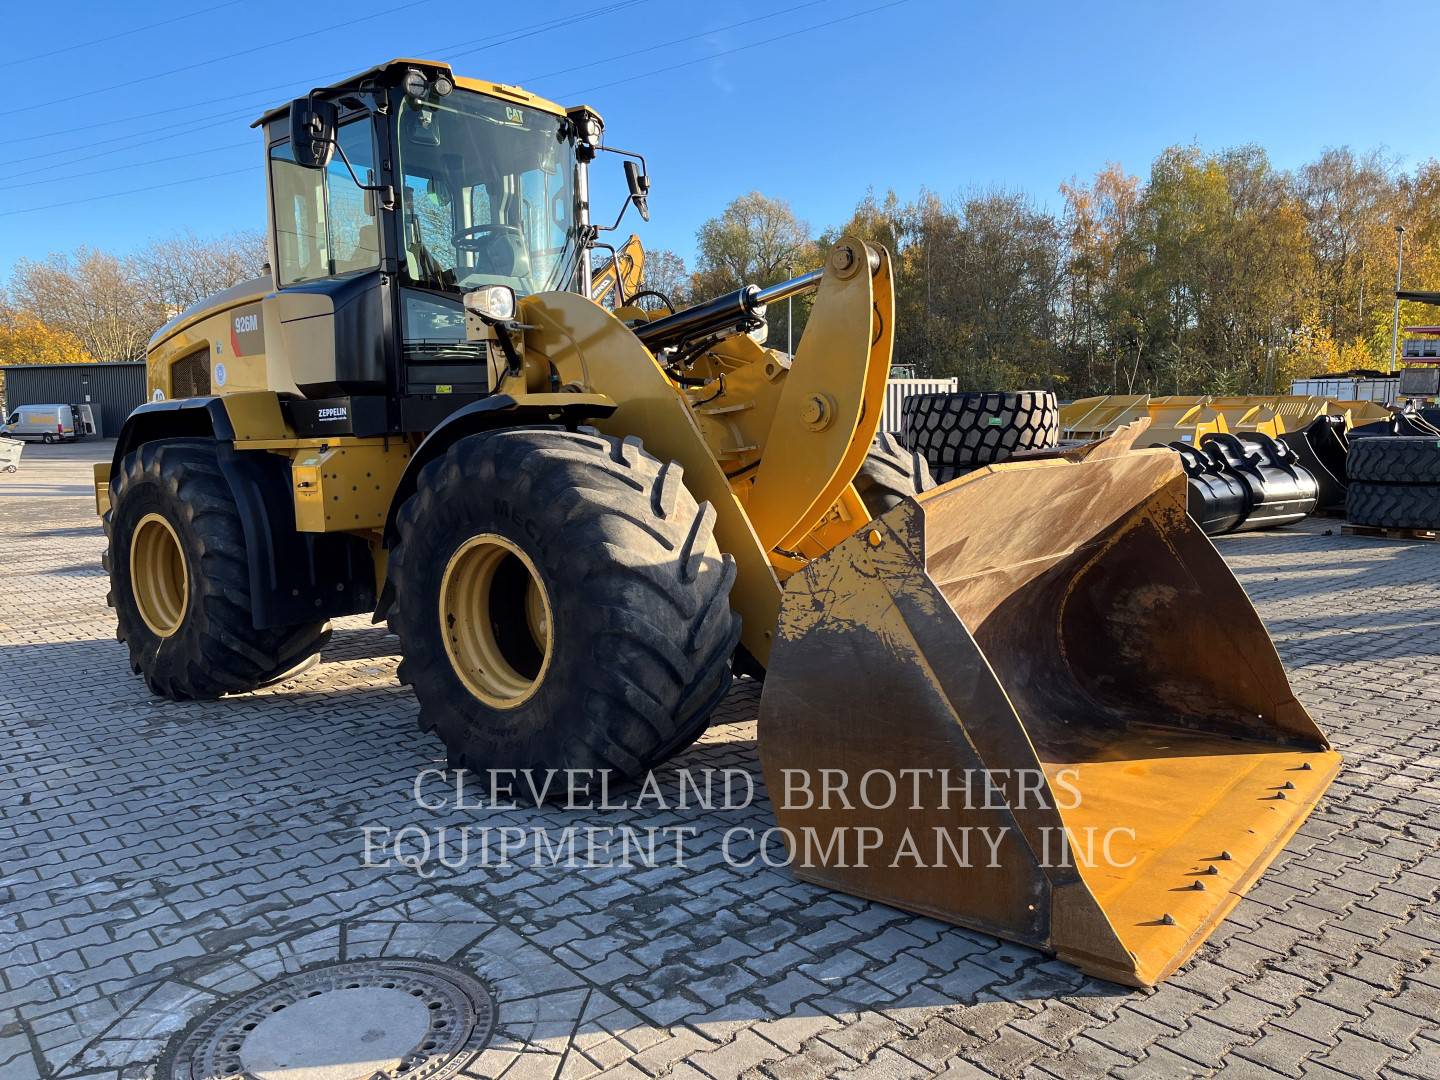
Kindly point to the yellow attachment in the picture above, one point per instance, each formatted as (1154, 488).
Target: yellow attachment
(102, 487)
(159, 578)
(1095, 417)
(498, 624)
(1058, 628)
(1185, 420)
(1175, 416)
(621, 276)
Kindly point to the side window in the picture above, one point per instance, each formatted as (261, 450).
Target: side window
(324, 224)
(301, 246)
(544, 217)
(354, 236)
(432, 212)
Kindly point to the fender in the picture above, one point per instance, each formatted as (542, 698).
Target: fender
(488, 414)
(294, 577)
(180, 418)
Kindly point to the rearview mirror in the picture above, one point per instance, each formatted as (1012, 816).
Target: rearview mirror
(639, 184)
(312, 131)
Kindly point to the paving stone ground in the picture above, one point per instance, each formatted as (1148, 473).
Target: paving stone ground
(157, 857)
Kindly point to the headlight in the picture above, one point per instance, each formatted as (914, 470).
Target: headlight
(493, 303)
(443, 85)
(416, 84)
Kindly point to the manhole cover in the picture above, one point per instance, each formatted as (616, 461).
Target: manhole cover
(352, 1021)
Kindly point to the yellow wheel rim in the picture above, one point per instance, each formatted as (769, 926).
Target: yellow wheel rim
(158, 575)
(496, 620)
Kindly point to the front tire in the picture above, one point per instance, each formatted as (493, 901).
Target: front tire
(890, 473)
(561, 603)
(179, 582)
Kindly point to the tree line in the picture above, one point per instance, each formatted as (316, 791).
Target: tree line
(1215, 273)
(97, 305)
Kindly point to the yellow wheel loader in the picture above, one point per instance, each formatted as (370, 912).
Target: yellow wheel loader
(1033, 700)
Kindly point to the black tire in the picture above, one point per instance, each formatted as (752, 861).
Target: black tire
(890, 473)
(1393, 506)
(1401, 459)
(638, 593)
(47, 438)
(216, 648)
(958, 432)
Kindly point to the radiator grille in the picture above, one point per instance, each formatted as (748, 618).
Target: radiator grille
(190, 375)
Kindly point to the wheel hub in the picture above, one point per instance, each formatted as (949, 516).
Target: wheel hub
(159, 577)
(496, 620)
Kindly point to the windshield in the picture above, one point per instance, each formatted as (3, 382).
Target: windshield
(488, 193)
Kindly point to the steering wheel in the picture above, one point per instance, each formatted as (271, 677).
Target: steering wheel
(503, 247)
(476, 237)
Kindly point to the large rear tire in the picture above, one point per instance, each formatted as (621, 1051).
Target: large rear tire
(1397, 459)
(960, 432)
(890, 473)
(561, 603)
(1393, 506)
(179, 582)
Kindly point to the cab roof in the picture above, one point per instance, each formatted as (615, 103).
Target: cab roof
(391, 69)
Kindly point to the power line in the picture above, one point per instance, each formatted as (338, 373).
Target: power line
(131, 164)
(86, 151)
(118, 194)
(615, 82)
(572, 94)
(121, 34)
(671, 42)
(228, 56)
(528, 31)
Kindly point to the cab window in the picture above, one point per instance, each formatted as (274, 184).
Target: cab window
(324, 224)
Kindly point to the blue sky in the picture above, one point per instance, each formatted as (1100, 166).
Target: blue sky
(945, 95)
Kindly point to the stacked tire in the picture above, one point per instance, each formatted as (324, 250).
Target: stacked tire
(960, 432)
(1394, 482)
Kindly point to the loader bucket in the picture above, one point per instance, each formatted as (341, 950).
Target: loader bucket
(1045, 656)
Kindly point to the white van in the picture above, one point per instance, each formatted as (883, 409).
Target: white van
(48, 423)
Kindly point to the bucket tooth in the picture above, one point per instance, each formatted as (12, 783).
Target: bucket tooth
(1061, 634)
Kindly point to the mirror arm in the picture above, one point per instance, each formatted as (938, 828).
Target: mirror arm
(619, 218)
(630, 198)
(644, 168)
(387, 193)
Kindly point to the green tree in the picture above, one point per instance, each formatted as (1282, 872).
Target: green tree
(756, 240)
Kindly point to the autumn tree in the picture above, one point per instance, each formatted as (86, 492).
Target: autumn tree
(664, 272)
(184, 269)
(756, 240)
(1350, 203)
(92, 296)
(976, 284)
(111, 304)
(24, 339)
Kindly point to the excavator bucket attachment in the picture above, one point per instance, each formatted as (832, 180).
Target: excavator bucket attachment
(1036, 702)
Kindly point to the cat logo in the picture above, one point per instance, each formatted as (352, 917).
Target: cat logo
(514, 115)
